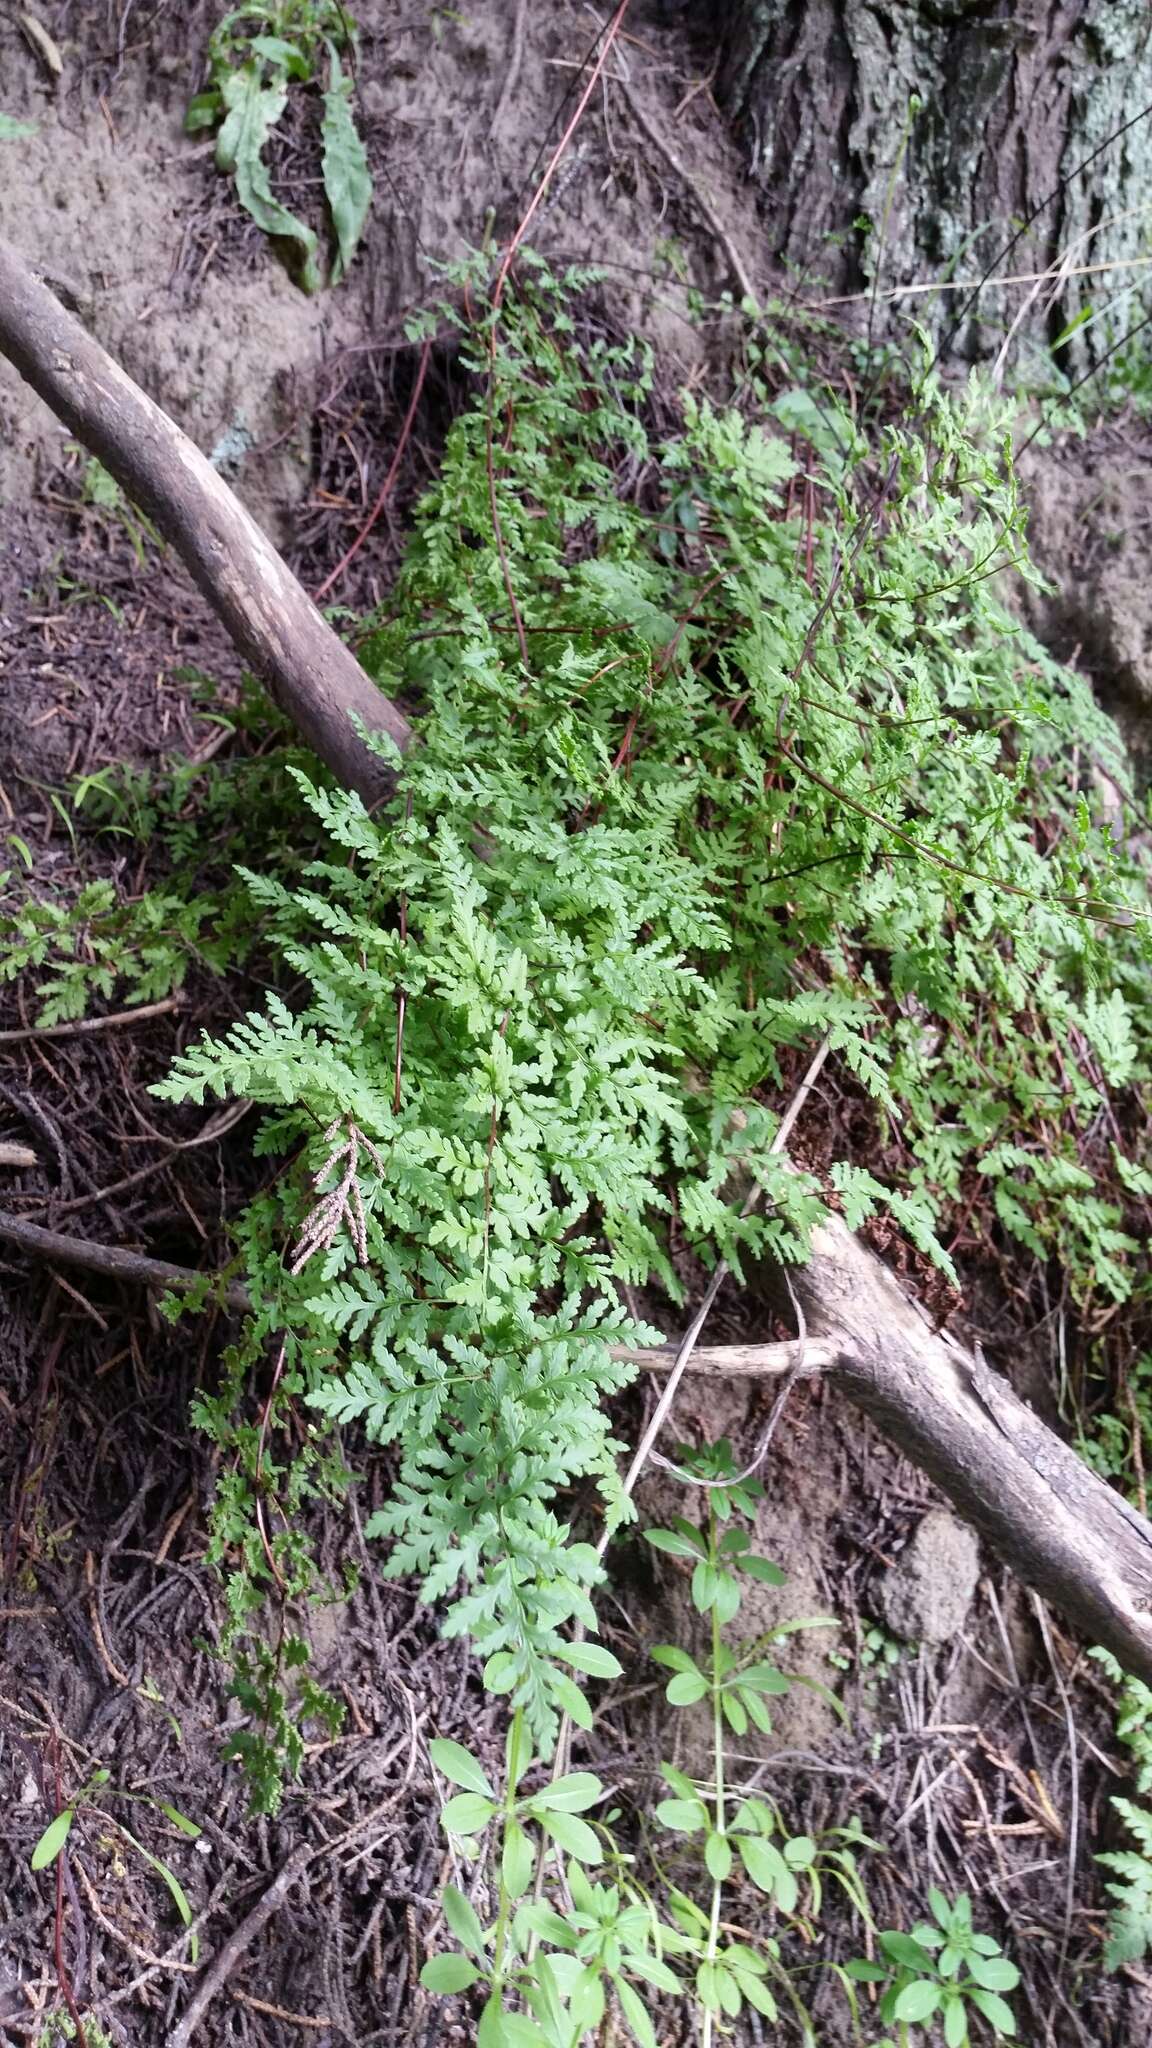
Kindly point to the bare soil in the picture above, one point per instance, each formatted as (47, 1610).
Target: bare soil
(982, 1763)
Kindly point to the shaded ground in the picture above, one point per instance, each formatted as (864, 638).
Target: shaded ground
(981, 1762)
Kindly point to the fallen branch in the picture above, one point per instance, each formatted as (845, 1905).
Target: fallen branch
(1060, 1527)
(717, 1361)
(734, 1361)
(117, 1263)
(317, 681)
(76, 1027)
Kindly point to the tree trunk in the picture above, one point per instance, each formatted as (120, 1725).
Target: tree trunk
(925, 141)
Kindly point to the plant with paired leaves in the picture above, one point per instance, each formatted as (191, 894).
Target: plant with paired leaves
(944, 1971)
(561, 1945)
(256, 55)
(565, 1948)
(736, 1831)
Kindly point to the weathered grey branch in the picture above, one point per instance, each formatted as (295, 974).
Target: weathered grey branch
(314, 678)
(113, 1260)
(1062, 1529)
(1058, 1525)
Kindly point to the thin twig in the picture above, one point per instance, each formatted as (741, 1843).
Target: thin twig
(385, 493)
(688, 1341)
(242, 1937)
(216, 1127)
(715, 1361)
(80, 1025)
(515, 60)
(734, 1361)
(1041, 1614)
(116, 1262)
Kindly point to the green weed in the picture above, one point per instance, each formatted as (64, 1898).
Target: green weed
(256, 56)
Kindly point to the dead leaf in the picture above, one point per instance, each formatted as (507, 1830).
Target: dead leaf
(43, 44)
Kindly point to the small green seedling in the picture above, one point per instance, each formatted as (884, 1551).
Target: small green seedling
(943, 1971)
(53, 1841)
(255, 56)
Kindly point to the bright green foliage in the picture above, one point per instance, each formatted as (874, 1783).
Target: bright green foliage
(1114, 1438)
(943, 1974)
(255, 56)
(731, 1831)
(761, 779)
(1129, 1934)
(195, 822)
(562, 1944)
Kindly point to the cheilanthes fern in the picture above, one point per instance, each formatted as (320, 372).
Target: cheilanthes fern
(779, 765)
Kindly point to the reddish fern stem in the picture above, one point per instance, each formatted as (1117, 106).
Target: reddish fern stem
(335, 574)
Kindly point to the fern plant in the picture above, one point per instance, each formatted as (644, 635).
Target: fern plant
(752, 756)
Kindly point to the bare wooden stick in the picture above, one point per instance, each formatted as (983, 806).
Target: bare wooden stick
(1062, 1529)
(315, 679)
(722, 1361)
(734, 1361)
(75, 1027)
(114, 1260)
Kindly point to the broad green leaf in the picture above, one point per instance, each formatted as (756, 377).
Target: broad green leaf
(635, 2013)
(918, 2001)
(655, 1971)
(591, 1658)
(460, 1914)
(762, 1569)
(573, 1793)
(500, 1672)
(686, 1688)
(347, 179)
(718, 1858)
(467, 1813)
(448, 1973)
(574, 1836)
(674, 1544)
(672, 1657)
(768, 1870)
(53, 1839)
(994, 1973)
(902, 1950)
(998, 2014)
(570, 1699)
(253, 110)
(459, 1766)
(955, 2023)
(517, 1860)
(685, 1815)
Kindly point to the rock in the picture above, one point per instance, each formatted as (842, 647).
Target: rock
(926, 1595)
